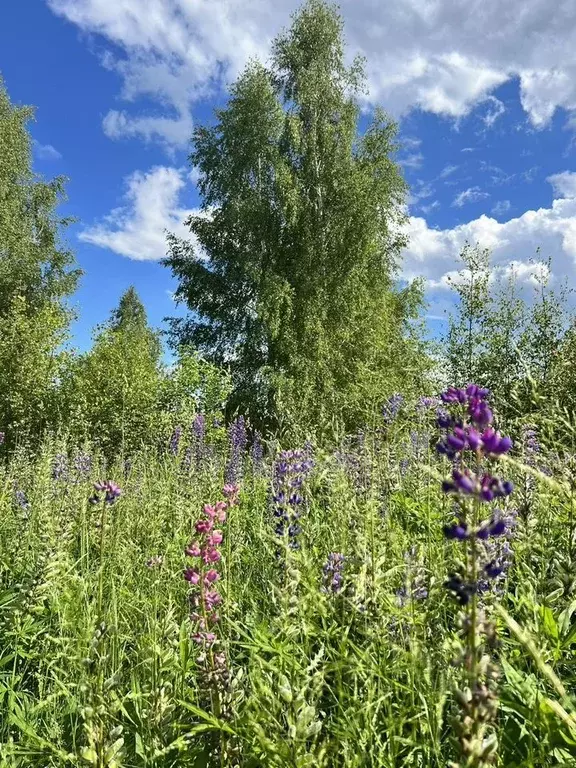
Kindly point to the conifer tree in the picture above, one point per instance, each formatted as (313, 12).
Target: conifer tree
(291, 282)
(112, 391)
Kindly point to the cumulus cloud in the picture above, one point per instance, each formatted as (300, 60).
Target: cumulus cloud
(433, 253)
(436, 56)
(564, 184)
(151, 208)
(470, 195)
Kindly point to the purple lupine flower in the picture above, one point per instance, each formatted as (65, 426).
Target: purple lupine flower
(497, 550)
(199, 435)
(332, 573)
(187, 458)
(471, 428)
(175, 441)
(290, 471)
(530, 442)
(21, 499)
(238, 440)
(465, 482)
(392, 407)
(257, 453)
(353, 459)
(426, 403)
(60, 467)
(82, 465)
(111, 492)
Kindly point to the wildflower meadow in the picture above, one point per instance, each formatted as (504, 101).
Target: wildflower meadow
(323, 515)
(403, 599)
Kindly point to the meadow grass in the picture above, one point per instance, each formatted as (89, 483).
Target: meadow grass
(321, 662)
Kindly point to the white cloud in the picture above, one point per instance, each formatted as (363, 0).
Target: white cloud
(497, 175)
(172, 132)
(448, 171)
(433, 253)
(429, 208)
(419, 191)
(470, 195)
(501, 207)
(434, 55)
(495, 110)
(138, 228)
(413, 160)
(45, 151)
(564, 184)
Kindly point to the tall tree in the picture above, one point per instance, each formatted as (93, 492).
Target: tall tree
(291, 282)
(35, 279)
(130, 312)
(112, 392)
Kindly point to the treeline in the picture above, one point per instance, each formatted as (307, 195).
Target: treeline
(297, 320)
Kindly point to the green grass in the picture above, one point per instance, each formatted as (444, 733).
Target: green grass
(361, 678)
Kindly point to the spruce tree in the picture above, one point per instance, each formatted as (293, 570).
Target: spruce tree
(112, 392)
(291, 281)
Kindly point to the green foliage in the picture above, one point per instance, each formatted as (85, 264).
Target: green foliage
(111, 393)
(29, 367)
(515, 342)
(192, 386)
(292, 278)
(35, 278)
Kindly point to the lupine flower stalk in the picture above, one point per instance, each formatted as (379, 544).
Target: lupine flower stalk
(205, 599)
(530, 450)
(205, 552)
(21, 499)
(238, 440)
(392, 407)
(290, 471)
(82, 465)
(257, 453)
(111, 493)
(332, 573)
(473, 446)
(60, 467)
(174, 443)
(199, 435)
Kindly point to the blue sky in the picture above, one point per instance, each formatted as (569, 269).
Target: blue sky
(485, 96)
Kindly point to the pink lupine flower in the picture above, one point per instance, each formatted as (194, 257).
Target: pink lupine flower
(192, 575)
(204, 637)
(203, 597)
(210, 510)
(212, 599)
(193, 549)
(215, 538)
(231, 493)
(211, 555)
(204, 526)
(211, 576)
